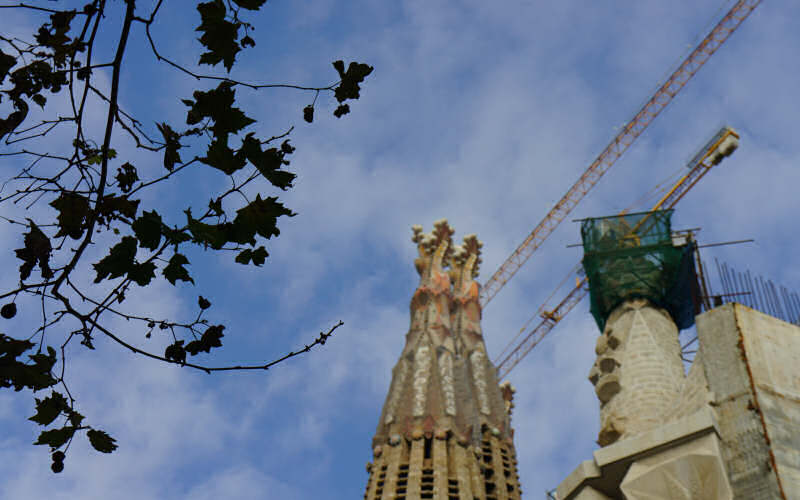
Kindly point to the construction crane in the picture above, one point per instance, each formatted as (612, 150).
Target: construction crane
(721, 145)
(619, 144)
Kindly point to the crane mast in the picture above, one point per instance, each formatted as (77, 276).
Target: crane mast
(619, 144)
(721, 145)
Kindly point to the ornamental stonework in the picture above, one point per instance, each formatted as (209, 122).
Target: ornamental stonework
(445, 432)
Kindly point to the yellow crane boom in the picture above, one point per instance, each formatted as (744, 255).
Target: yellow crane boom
(663, 96)
(721, 145)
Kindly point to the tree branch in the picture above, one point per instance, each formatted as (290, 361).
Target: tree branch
(323, 337)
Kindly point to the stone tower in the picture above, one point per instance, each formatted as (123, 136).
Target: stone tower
(638, 373)
(641, 287)
(444, 432)
(660, 436)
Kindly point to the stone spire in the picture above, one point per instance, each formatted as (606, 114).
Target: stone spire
(444, 432)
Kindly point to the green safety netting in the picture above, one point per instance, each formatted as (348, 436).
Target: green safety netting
(628, 256)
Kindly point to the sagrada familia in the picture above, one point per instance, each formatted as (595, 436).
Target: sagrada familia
(727, 429)
(445, 427)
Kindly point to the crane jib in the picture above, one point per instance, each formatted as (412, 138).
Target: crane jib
(663, 96)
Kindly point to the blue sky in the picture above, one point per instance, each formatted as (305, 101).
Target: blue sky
(483, 113)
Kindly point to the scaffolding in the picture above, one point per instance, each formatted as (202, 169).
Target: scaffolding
(633, 255)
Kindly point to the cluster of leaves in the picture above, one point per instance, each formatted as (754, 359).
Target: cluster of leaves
(36, 375)
(96, 197)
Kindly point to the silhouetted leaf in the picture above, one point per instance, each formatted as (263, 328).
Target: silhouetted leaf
(119, 260)
(268, 162)
(75, 418)
(171, 145)
(174, 236)
(258, 217)
(175, 352)
(219, 35)
(73, 210)
(211, 235)
(217, 104)
(113, 205)
(174, 270)
(143, 273)
(349, 86)
(14, 119)
(308, 113)
(221, 157)
(257, 256)
(39, 99)
(126, 176)
(147, 229)
(203, 303)
(37, 250)
(210, 339)
(49, 409)
(11, 348)
(38, 375)
(14, 373)
(96, 156)
(56, 438)
(101, 441)
(32, 79)
(54, 36)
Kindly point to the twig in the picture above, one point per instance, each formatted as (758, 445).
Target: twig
(323, 337)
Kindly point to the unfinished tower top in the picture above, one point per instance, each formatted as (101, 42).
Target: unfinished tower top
(445, 426)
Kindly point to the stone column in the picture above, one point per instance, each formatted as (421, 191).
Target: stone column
(638, 373)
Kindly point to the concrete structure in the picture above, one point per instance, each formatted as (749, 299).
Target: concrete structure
(444, 432)
(752, 363)
(731, 431)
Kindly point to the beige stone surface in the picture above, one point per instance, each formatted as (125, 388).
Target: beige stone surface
(670, 434)
(690, 471)
(693, 395)
(638, 374)
(587, 469)
(750, 362)
(440, 463)
(684, 450)
(462, 471)
(589, 493)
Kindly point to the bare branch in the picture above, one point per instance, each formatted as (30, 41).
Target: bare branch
(323, 337)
